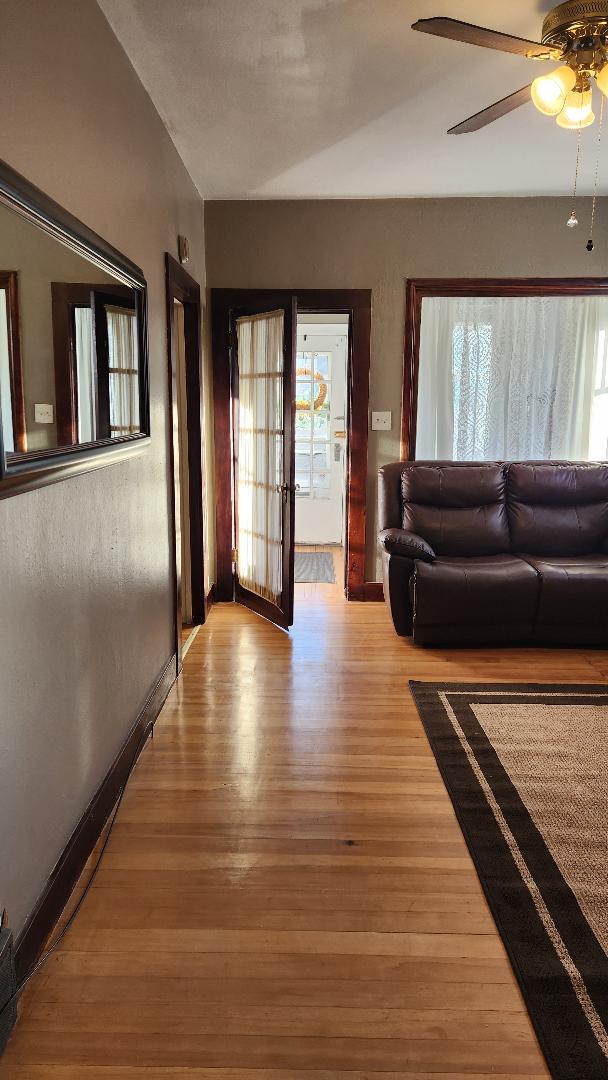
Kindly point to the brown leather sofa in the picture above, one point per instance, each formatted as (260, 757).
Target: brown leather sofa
(496, 552)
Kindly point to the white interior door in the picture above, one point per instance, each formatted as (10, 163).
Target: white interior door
(320, 430)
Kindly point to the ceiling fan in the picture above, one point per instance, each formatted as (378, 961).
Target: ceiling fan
(574, 33)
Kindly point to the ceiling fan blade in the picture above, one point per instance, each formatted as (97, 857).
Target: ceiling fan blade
(488, 39)
(493, 112)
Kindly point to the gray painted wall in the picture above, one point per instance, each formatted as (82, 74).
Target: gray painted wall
(377, 244)
(85, 594)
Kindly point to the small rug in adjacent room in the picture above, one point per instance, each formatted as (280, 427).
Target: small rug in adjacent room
(526, 767)
(314, 566)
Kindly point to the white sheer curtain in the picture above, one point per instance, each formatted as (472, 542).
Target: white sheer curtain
(124, 372)
(507, 377)
(85, 382)
(5, 377)
(260, 454)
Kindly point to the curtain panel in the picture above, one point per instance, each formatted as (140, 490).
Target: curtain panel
(507, 378)
(260, 454)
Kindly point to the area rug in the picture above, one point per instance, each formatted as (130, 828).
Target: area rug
(314, 566)
(526, 767)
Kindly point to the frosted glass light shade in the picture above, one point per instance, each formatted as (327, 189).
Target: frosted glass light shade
(577, 112)
(602, 80)
(548, 92)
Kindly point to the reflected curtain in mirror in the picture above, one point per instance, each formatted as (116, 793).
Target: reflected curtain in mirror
(511, 377)
(259, 468)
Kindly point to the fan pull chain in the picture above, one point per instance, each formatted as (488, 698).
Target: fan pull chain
(597, 167)
(573, 220)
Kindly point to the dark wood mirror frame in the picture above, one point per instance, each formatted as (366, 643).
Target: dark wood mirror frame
(415, 291)
(25, 471)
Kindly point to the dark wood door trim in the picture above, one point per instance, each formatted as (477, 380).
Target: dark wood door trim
(9, 281)
(415, 291)
(180, 286)
(356, 303)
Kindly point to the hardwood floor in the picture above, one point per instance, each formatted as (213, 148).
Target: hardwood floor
(287, 894)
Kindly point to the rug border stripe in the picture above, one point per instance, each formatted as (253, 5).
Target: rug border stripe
(571, 1049)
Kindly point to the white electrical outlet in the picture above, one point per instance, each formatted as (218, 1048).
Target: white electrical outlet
(382, 421)
(43, 414)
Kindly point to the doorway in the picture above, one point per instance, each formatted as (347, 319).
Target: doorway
(242, 321)
(185, 400)
(321, 413)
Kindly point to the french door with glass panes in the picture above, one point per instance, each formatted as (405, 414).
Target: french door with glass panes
(320, 432)
(262, 349)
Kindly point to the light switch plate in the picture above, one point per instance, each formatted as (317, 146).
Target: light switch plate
(382, 421)
(43, 414)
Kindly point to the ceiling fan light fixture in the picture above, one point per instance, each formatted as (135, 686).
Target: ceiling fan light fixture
(549, 92)
(577, 112)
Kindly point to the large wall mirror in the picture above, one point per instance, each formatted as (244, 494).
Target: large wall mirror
(506, 370)
(73, 343)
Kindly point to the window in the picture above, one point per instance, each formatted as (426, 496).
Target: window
(123, 371)
(598, 441)
(313, 412)
(97, 368)
(513, 377)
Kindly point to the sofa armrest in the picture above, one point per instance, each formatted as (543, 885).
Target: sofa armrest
(408, 544)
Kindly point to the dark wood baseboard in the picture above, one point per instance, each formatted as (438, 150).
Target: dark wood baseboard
(211, 599)
(82, 841)
(369, 590)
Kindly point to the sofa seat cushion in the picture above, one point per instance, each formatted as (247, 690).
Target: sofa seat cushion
(573, 602)
(489, 599)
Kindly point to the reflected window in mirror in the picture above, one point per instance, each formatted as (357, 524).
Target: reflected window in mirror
(97, 362)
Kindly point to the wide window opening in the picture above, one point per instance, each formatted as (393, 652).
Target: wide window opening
(504, 378)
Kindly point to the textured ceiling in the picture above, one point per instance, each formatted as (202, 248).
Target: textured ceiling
(339, 98)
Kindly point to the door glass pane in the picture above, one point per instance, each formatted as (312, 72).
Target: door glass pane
(321, 469)
(321, 429)
(260, 454)
(303, 464)
(322, 365)
(304, 424)
(313, 416)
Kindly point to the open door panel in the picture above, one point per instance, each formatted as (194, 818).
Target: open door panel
(262, 345)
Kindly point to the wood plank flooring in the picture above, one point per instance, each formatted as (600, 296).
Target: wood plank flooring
(287, 894)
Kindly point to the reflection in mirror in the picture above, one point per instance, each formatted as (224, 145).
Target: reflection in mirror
(70, 336)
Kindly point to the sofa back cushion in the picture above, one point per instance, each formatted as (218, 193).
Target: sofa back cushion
(557, 509)
(458, 508)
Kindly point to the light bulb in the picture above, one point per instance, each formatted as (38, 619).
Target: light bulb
(549, 91)
(602, 80)
(572, 221)
(577, 112)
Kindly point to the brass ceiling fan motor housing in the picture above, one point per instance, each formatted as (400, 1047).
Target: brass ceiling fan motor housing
(580, 28)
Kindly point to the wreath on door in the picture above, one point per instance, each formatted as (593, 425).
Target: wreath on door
(319, 401)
